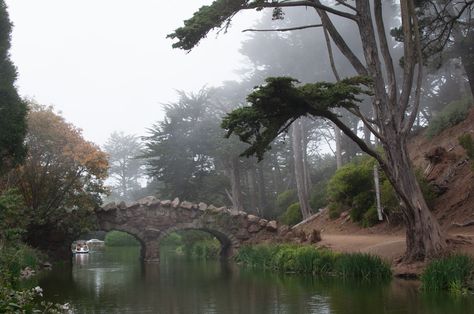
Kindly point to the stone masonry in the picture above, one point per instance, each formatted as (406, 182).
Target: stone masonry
(150, 220)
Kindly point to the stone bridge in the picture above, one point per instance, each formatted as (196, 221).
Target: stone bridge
(150, 220)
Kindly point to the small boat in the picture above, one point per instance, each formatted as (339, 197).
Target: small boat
(80, 248)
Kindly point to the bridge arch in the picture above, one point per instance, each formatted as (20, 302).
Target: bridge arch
(151, 220)
(229, 243)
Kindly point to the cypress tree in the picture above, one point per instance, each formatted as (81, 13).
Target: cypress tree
(13, 109)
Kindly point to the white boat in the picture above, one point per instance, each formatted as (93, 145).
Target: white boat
(80, 248)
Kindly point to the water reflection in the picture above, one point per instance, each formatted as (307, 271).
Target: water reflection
(115, 281)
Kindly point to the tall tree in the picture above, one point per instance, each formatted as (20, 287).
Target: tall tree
(125, 168)
(62, 177)
(12, 109)
(278, 103)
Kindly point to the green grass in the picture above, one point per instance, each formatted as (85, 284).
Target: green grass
(453, 274)
(309, 260)
(362, 266)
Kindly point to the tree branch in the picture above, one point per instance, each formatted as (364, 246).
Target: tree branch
(313, 4)
(282, 29)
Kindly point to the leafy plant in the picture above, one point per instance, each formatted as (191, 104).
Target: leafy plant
(292, 215)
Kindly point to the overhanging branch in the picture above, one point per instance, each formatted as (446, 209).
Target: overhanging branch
(282, 29)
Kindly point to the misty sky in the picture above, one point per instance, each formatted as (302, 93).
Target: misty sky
(106, 64)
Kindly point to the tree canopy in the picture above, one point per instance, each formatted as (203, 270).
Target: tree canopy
(12, 108)
(278, 103)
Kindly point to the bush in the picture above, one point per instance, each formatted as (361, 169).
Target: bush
(352, 187)
(467, 143)
(454, 113)
(371, 217)
(119, 238)
(285, 199)
(311, 260)
(453, 273)
(292, 215)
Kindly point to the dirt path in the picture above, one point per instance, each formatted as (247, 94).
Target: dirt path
(389, 247)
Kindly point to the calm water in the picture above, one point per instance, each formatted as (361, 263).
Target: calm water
(115, 281)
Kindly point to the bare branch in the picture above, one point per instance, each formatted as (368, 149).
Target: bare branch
(313, 4)
(282, 29)
(347, 5)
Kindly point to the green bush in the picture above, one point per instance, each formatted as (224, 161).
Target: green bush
(371, 217)
(467, 143)
(360, 205)
(119, 238)
(285, 199)
(454, 113)
(352, 187)
(311, 260)
(292, 215)
(453, 273)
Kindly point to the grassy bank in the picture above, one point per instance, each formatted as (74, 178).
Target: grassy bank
(310, 260)
(454, 274)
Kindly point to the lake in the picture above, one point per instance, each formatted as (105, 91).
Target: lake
(115, 281)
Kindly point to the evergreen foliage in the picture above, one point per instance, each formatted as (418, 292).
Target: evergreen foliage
(279, 102)
(12, 109)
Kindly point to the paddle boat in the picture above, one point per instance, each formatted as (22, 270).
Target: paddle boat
(80, 247)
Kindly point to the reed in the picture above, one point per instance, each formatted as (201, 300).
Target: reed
(453, 273)
(310, 260)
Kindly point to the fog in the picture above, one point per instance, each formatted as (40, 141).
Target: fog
(107, 65)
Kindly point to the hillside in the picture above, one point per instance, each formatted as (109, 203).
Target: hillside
(445, 164)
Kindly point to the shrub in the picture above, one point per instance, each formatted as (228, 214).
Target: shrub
(371, 217)
(285, 199)
(352, 187)
(207, 249)
(292, 215)
(360, 205)
(118, 238)
(467, 143)
(454, 113)
(453, 273)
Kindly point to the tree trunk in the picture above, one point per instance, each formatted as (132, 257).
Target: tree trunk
(337, 136)
(424, 237)
(262, 199)
(237, 203)
(252, 188)
(299, 170)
